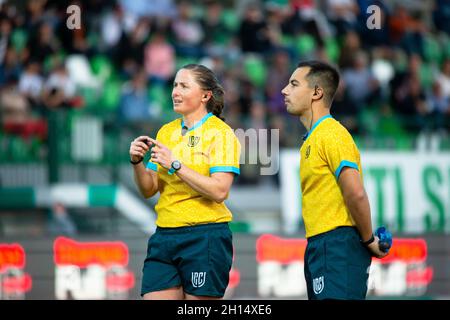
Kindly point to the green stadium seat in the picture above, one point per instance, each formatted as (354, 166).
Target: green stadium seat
(255, 70)
(426, 75)
(110, 98)
(102, 67)
(231, 19)
(90, 97)
(305, 44)
(19, 38)
(432, 49)
(157, 94)
(332, 49)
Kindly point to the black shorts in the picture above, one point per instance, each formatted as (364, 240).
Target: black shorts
(198, 258)
(337, 265)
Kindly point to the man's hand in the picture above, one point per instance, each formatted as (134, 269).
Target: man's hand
(375, 250)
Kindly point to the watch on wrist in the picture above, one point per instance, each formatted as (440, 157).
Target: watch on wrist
(175, 166)
(366, 243)
(136, 162)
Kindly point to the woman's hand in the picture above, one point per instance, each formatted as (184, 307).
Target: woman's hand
(161, 154)
(139, 147)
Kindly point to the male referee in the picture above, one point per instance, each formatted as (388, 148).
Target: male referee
(335, 206)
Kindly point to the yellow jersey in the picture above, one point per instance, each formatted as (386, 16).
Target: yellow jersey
(209, 146)
(328, 147)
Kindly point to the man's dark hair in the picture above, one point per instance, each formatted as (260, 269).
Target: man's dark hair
(322, 75)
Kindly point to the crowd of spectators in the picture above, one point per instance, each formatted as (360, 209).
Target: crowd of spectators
(122, 60)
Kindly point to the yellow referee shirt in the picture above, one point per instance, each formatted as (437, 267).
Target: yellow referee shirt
(328, 147)
(209, 146)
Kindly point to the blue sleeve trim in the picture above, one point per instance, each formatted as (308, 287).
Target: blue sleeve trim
(345, 163)
(152, 166)
(235, 170)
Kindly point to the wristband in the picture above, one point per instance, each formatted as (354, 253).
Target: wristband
(366, 243)
(136, 162)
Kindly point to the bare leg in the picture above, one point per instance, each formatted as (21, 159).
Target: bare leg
(191, 297)
(175, 293)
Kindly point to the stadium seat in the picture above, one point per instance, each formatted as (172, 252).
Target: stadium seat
(305, 44)
(110, 97)
(332, 49)
(255, 70)
(230, 19)
(432, 49)
(90, 97)
(19, 38)
(102, 67)
(426, 75)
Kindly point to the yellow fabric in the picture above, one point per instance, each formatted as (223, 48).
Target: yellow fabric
(209, 146)
(327, 149)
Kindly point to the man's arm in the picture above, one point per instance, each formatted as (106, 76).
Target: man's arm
(357, 202)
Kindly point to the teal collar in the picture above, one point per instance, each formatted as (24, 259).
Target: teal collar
(315, 125)
(199, 123)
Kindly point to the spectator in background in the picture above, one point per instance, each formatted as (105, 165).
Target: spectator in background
(253, 35)
(34, 12)
(216, 32)
(11, 68)
(439, 107)
(188, 32)
(342, 14)
(111, 28)
(279, 72)
(410, 102)
(14, 107)
(312, 20)
(135, 105)
(361, 85)
(407, 31)
(159, 59)
(351, 44)
(16, 116)
(131, 46)
(44, 44)
(31, 82)
(59, 89)
(60, 222)
(444, 78)
(345, 109)
(441, 15)
(5, 37)
(274, 21)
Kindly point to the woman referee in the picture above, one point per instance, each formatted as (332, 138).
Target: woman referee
(193, 163)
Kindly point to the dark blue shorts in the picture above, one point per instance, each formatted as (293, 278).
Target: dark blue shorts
(337, 265)
(198, 258)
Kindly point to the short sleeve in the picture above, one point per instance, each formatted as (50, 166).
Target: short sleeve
(150, 164)
(339, 151)
(225, 153)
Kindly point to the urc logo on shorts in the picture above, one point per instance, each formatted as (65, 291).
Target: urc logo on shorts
(198, 279)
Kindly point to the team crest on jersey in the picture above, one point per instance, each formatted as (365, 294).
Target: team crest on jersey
(198, 279)
(318, 284)
(308, 151)
(193, 141)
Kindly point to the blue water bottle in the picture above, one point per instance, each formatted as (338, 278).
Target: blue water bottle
(385, 237)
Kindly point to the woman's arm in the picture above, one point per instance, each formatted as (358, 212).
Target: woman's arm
(146, 180)
(216, 187)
